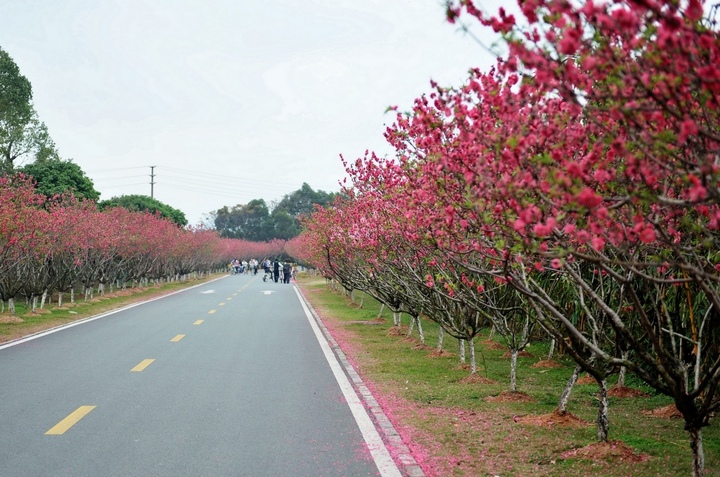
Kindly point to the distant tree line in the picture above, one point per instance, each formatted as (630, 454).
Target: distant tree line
(257, 222)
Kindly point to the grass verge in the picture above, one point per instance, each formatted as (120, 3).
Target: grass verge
(462, 427)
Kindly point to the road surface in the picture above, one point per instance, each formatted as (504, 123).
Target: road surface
(225, 379)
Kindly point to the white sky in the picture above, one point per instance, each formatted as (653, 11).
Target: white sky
(231, 100)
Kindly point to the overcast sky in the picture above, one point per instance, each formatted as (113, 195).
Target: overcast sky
(231, 100)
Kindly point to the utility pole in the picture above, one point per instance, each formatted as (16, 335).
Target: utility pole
(152, 181)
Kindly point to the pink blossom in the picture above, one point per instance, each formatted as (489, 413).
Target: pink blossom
(647, 235)
(588, 198)
(598, 243)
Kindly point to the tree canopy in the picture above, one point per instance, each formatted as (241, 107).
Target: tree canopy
(22, 134)
(138, 202)
(254, 221)
(55, 177)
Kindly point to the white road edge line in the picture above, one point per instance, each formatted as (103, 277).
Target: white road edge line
(40, 334)
(383, 460)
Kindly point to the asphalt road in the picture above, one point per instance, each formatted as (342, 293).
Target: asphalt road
(225, 379)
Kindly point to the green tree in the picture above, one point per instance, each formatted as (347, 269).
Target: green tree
(22, 134)
(284, 225)
(141, 203)
(250, 221)
(54, 177)
(303, 201)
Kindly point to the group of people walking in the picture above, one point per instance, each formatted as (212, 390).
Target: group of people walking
(236, 266)
(279, 271)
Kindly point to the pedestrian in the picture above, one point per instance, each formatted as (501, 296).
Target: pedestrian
(276, 270)
(286, 272)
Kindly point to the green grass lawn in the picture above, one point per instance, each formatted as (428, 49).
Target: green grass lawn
(455, 429)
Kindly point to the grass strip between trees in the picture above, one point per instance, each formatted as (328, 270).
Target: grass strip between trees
(24, 322)
(458, 425)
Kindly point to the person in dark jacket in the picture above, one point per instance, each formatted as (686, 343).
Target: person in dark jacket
(286, 272)
(276, 271)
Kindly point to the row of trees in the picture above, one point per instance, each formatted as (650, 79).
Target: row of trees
(54, 247)
(573, 187)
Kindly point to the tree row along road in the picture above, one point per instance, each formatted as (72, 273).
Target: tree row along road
(222, 379)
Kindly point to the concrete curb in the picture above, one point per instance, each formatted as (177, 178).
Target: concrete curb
(407, 463)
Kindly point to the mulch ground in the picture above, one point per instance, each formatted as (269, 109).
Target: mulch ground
(546, 363)
(626, 392)
(665, 412)
(440, 353)
(508, 396)
(521, 354)
(606, 451)
(587, 379)
(476, 379)
(491, 344)
(554, 419)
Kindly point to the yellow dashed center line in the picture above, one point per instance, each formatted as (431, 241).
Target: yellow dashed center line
(69, 421)
(177, 338)
(211, 312)
(228, 299)
(142, 365)
(221, 304)
(198, 322)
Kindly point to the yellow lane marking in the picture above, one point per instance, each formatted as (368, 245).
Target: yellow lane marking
(69, 421)
(228, 299)
(221, 304)
(177, 338)
(198, 322)
(142, 365)
(211, 312)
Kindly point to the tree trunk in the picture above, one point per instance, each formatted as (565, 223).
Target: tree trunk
(623, 370)
(461, 352)
(72, 295)
(60, 294)
(441, 335)
(473, 363)
(362, 300)
(552, 350)
(44, 298)
(513, 370)
(397, 318)
(11, 305)
(410, 327)
(382, 307)
(698, 454)
(420, 331)
(33, 306)
(603, 419)
(565, 396)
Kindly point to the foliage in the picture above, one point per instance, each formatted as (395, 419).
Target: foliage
(55, 177)
(576, 183)
(22, 134)
(254, 221)
(140, 203)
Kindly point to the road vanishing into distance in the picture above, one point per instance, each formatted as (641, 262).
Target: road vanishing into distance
(229, 378)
